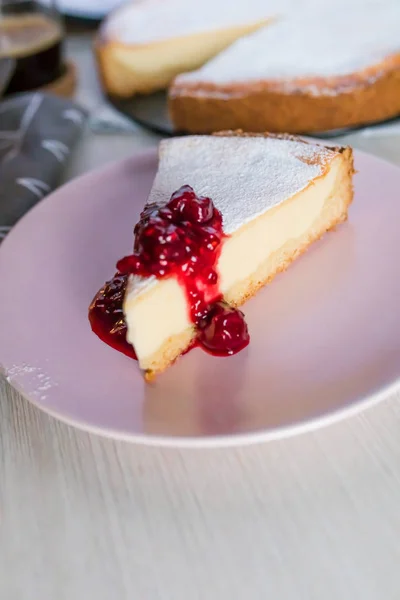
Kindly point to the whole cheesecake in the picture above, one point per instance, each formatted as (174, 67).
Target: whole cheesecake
(226, 213)
(277, 65)
(323, 69)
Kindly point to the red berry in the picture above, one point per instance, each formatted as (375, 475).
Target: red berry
(186, 206)
(129, 264)
(224, 331)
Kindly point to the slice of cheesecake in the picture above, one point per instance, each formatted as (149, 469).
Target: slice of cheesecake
(276, 195)
(144, 44)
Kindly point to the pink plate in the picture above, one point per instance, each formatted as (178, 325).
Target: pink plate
(325, 336)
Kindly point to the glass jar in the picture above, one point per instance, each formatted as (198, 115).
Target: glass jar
(31, 36)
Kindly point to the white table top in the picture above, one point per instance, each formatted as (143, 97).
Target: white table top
(313, 517)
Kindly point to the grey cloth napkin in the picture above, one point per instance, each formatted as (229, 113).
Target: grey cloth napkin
(37, 134)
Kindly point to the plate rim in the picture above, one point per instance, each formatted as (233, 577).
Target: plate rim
(220, 440)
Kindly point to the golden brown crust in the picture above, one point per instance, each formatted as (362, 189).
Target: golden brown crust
(279, 262)
(171, 349)
(307, 106)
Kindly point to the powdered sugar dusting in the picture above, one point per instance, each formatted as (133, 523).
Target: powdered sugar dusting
(244, 176)
(308, 37)
(154, 20)
(326, 42)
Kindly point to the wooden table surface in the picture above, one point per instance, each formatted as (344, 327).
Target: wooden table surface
(312, 517)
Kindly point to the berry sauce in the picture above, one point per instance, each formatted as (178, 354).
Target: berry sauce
(106, 315)
(183, 239)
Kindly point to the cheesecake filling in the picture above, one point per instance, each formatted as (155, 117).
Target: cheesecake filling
(267, 234)
(180, 243)
(240, 257)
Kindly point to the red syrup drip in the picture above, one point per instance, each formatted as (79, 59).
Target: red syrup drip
(183, 239)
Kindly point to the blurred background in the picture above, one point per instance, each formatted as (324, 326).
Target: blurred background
(53, 46)
(49, 44)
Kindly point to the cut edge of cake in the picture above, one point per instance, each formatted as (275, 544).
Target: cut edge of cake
(130, 69)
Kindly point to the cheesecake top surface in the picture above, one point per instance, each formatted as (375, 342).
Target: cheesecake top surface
(147, 21)
(244, 175)
(325, 42)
